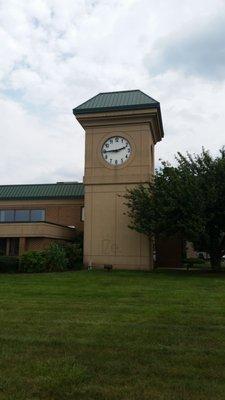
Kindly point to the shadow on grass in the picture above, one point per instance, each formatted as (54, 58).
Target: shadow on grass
(182, 271)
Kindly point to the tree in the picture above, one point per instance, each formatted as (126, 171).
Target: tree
(188, 199)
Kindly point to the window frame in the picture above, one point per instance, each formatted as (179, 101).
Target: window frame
(14, 210)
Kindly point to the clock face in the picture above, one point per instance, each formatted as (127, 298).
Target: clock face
(116, 150)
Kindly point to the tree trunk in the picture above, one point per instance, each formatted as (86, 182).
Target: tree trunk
(215, 260)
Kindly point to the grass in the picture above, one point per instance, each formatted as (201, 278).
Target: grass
(112, 336)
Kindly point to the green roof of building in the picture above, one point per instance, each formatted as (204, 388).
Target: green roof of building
(115, 101)
(60, 190)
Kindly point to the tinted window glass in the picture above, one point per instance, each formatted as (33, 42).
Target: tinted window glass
(37, 215)
(8, 215)
(13, 246)
(22, 215)
(2, 215)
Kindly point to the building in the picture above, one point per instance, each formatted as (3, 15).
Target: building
(121, 131)
(32, 216)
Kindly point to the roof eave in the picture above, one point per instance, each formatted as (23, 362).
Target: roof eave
(26, 198)
(78, 111)
(120, 116)
(160, 122)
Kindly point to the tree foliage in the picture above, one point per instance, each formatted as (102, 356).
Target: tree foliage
(188, 199)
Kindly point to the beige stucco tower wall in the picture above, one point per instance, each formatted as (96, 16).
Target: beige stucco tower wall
(107, 238)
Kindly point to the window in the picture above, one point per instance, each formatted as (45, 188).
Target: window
(2, 216)
(22, 215)
(37, 215)
(13, 246)
(7, 215)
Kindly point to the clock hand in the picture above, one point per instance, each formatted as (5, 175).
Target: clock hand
(122, 148)
(114, 151)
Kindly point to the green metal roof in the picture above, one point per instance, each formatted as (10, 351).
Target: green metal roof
(115, 101)
(60, 190)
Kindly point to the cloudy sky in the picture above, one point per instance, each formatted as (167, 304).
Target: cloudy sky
(56, 54)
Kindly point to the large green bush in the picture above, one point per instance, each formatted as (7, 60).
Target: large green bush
(74, 254)
(55, 258)
(79, 239)
(32, 261)
(52, 259)
(9, 264)
(58, 257)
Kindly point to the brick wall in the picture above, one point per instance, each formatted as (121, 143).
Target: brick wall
(63, 212)
(37, 244)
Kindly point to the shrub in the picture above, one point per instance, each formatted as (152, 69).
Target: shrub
(55, 258)
(73, 254)
(190, 262)
(32, 261)
(9, 264)
(79, 239)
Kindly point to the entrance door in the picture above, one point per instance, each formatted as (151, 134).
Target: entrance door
(13, 246)
(169, 251)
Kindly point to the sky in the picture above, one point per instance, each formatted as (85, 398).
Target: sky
(56, 54)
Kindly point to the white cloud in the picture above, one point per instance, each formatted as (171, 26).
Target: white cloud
(37, 151)
(200, 51)
(54, 58)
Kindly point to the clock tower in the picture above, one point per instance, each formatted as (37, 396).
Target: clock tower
(121, 130)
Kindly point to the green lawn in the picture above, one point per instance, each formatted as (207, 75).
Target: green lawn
(112, 336)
